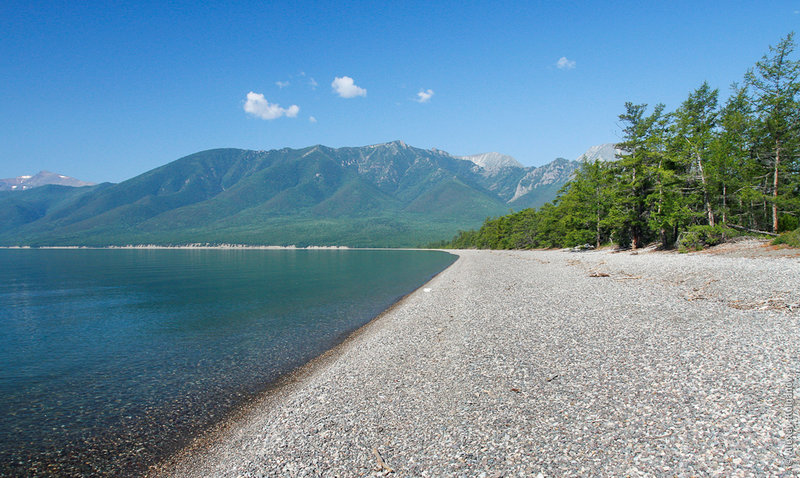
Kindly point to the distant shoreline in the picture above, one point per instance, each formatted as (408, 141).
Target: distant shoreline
(188, 246)
(750, 247)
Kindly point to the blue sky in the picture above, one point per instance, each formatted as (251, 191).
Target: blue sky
(106, 91)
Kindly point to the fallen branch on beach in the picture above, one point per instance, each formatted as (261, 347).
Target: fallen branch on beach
(598, 274)
(755, 231)
(382, 465)
(772, 303)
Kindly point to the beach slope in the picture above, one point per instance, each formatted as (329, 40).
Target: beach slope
(520, 363)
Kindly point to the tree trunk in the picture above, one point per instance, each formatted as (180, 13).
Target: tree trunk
(662, 233)
(597, 232)
(636, 238)
(705, 190)
(724, 203)
(775, 188)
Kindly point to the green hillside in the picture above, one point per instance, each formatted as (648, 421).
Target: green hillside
(382, 195)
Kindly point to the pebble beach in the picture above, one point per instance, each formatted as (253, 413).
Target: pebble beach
(544, 363)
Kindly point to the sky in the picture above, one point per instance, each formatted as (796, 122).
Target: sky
(104, 91)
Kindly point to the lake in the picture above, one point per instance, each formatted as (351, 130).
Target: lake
(112, 359)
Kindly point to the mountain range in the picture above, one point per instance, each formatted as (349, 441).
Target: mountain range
(387, 194)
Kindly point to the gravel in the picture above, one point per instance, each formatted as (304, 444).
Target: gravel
(520, 363)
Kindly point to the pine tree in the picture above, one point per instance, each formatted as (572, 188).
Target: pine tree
(695, 124)
(775, 85)
(635, 173)
(733, 165)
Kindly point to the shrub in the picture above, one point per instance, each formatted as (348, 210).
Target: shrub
(578, 237)
(791, 238)
(697, 238)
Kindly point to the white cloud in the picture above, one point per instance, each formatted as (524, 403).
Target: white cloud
(345, 87)
(313, 83)
(311, 119)
(424, 96)
(291, 112)
(257, 105)
(282, 84)
(564, 64)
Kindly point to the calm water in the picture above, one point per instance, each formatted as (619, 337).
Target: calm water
(110, 359)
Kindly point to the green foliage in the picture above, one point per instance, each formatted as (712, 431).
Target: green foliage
(790, 238)
(775, 99)
(697, 238)
(683, 177)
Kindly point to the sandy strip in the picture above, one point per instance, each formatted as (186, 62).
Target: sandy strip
(565, 364)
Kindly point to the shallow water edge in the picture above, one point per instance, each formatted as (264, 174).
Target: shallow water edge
(274, 393)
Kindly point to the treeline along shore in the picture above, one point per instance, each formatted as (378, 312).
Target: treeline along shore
(696, 176)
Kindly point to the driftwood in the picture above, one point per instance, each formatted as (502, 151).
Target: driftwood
(598, 274)
(382, 465)
(752, 230)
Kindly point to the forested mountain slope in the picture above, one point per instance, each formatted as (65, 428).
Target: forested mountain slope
(388, 194)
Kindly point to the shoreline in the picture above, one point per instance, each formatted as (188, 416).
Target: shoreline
(527, 362)
(187, 246)
(225, 247)
(280, 388)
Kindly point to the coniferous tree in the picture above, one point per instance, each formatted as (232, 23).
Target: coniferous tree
(733, 164)
(695, 124)
(523, 227)
(584, 203)
(635, 173)
(775, 86)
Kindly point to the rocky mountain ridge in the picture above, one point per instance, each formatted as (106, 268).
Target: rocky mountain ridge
(492, 162)
(389, 194)
(601, 152)
(42, 178)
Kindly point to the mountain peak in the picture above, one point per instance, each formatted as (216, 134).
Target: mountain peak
(396, 144)
(42, 178)
(493, 162)
(601, 152)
